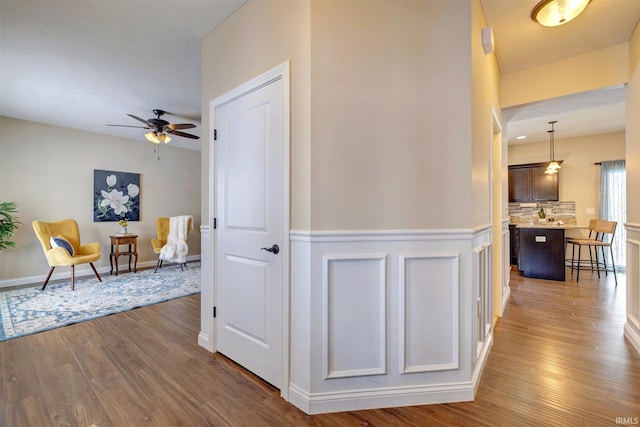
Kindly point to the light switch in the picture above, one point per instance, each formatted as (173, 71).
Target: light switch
(591, 211)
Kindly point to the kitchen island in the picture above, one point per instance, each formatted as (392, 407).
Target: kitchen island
(542, 250)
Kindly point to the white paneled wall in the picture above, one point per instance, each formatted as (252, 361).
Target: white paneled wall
(482, 291)
(429, 307)
(388, 318)
(632, 325)
(505, 289)
(354, 309)
(206, 336)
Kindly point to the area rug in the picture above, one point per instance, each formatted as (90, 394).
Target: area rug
(29, 310)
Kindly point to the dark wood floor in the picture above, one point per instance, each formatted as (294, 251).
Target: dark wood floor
(559, 359)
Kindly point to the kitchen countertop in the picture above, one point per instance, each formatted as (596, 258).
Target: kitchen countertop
(549, 225)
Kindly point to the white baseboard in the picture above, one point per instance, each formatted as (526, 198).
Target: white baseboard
(505, 299)
(632, 336)
(481, 363)
(322, 403)
(203, 341)
(63, 273)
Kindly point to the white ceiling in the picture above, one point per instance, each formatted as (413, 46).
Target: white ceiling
(84, 64)
(587, 113)
(521, 43)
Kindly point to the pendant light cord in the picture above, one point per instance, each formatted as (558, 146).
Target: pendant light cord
(551, 141)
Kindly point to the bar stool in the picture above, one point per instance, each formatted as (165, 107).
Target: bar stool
(601, 234)
(575, 240)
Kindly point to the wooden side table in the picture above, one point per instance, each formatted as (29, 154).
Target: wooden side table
(124, 239)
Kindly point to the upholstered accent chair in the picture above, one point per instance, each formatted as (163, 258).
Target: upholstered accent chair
(162, 234)
(60, 242)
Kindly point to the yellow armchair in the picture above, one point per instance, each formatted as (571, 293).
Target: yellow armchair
(162, 234)
(59, 256)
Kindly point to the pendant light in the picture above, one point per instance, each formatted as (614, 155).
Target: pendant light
(552, 13)
(553, 165)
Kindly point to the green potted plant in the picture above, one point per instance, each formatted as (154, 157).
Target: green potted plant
(9, 223)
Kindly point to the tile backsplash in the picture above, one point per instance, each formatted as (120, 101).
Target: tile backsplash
(554, 211)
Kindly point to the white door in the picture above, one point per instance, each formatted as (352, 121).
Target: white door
(248, 267)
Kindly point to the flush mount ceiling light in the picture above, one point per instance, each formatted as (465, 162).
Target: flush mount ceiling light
(553, 165)
(552, 13)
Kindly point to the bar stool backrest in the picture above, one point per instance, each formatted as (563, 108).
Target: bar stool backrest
(592, 228)
(603, 228)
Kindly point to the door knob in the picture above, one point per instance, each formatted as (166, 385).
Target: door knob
(273, 249)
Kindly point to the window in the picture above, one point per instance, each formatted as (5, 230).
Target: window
(613, 206)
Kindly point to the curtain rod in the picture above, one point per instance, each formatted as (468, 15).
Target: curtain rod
(600, 163)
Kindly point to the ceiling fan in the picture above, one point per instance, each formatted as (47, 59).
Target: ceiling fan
(160, 128)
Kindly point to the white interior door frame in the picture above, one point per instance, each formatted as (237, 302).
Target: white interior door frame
(280, 72)
(496, 212)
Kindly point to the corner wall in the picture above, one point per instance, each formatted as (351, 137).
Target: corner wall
(632, 146)
(381, 127)
(391, 125)
(259, 36)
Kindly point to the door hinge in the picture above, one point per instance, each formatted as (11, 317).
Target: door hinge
(215, 223)
(214, 311)
(215, 134)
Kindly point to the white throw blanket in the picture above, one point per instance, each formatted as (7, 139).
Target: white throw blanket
(176, 249)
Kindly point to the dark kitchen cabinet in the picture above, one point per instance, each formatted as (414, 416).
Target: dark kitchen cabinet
(529, 183)
(514, 241)
(542, 253)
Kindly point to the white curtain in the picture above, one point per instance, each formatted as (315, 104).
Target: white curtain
(613, 205)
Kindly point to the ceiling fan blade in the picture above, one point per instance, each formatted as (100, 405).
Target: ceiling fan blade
(127, 126)
(139, 119)
(181, 126)
(183, 134)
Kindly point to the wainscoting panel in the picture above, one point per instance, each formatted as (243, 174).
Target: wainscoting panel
(429, 308)
(388, 318)
(354, 315)
(633, 296)
(483, 280)
(505, 290)
(206, 336)
(632, 325)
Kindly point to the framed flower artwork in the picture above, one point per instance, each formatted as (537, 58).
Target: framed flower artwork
(116, 196)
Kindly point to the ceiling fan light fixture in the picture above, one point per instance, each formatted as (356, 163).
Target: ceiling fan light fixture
(157, 137)
(151, 137)
(161, 128)
(551, 13)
